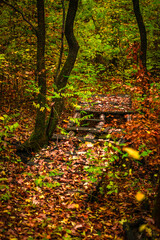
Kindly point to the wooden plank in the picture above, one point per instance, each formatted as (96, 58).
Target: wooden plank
(93, 120)
(105, 113)
(65, 137)
(95, 130)
(87, 129)
(83, 139)
(60, 137)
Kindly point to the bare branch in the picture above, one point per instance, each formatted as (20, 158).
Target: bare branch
(17, 10)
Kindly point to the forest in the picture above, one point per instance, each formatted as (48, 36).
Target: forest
(79, 119)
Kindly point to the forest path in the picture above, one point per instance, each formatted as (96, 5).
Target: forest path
(54, 195)
(68, 159)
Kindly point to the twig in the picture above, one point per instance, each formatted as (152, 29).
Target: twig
(17, 10)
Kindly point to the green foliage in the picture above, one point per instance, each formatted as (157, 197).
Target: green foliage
(6, 129)
(47, 181)
(39, 182)
(115, 158)
(112, 188)
(104, 28)
(94, 170)
(77, 121)
(55, 172)
(5, 194)
(32, 88)
(144, 151)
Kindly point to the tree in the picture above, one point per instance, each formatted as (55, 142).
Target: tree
(156, 212)
(36, 141)
(62, 79)
(42, 131)
(142, 31)
(38, 137)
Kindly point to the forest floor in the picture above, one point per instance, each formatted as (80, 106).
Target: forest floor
(54, 195)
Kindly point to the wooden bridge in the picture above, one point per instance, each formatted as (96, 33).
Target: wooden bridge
(95, 119)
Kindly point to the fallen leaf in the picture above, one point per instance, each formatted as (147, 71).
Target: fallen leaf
(140, 196)
(132, 152)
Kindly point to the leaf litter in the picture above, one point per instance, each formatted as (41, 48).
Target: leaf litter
(48, 198)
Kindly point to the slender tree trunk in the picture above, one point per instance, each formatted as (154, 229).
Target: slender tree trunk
(62, 79)
(41, 72)
(62, 42)
(72, 43)
(142, 31)
(38, 137)
(156, 211)
(43, 133)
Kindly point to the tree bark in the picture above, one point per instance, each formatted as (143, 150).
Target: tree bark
(62, 40)
(38, 137)
(62, 79)
(156, 211)
(142, 30)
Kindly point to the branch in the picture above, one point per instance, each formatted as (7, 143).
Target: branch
(16, 10)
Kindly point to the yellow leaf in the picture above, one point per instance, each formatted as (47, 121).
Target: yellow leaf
(73, 206)
(140, 196)
(65, 220)
(38, 105)
(130, 171)
(42, 109)
(142, 227)
(122, 221)
(41, 196)
(65, 121)
(149, 231)
(2, 118)
(110, 145)
(132, 152)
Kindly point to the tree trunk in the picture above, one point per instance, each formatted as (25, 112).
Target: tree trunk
(156, 211)
(142, 31)
(38, 137)
(62, 79)
(43, 133)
